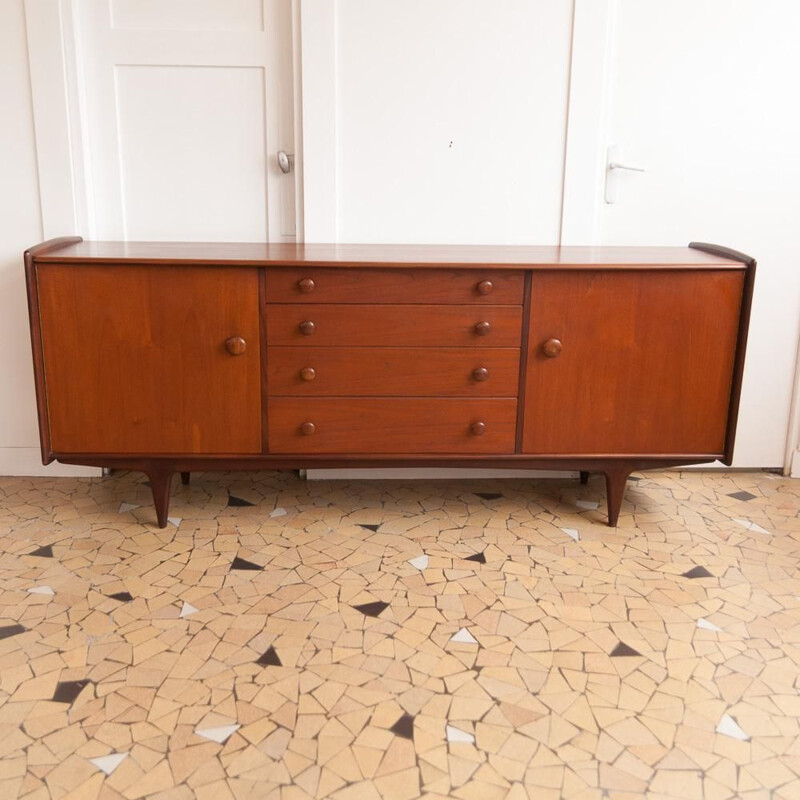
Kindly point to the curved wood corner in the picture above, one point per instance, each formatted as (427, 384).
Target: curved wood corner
(46, 247)
(723, 252)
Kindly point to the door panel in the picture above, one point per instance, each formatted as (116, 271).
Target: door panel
(185, 106)
(135, 359)
(646, 361)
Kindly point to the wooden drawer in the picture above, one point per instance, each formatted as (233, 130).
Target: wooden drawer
(375, 286)
(393, 371)
(386, 425)
(394, 325)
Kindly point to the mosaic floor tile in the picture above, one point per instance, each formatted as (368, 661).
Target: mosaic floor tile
(109, 763)
(285, 639)
(697, 572)
(404, 727)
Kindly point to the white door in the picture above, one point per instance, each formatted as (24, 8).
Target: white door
(439, 122)
(185, 106)
(700, 94)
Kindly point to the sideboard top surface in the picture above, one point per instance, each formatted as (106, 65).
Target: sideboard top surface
(380, 255)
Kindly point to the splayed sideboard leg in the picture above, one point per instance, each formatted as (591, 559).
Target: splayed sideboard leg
(616, 478)
(161, 484)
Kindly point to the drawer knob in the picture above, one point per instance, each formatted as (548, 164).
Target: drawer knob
(480, 374)
(478, 428)
(307, 327)
(308, 373)
(552, 348)
(306, 285)
(482, 328)
(307, 428)
(485, 287)
(236, 345)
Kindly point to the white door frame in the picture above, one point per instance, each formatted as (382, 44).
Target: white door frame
(791, 463)
(57, 118)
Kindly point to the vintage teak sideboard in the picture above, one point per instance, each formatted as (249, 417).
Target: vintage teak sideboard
(167, 357)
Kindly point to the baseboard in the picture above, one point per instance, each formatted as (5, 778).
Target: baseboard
(27, 462)
(795, 470)
(432, 473)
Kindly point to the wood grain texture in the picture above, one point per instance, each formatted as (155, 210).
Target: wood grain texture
(385, 255)
(371, 286)
(646, 365)
(135, 359)
(338, 325)
(393, 371)
(34, 317)
(738, 364)
(391, 425)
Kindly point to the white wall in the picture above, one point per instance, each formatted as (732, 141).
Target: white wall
(20, 227)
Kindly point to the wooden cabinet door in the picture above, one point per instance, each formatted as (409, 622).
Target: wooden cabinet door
(645, 365)
(136, 361)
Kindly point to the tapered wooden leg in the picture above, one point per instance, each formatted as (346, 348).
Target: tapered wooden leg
(160, 485)
(615, 489)
(185, 478)
(584, 477)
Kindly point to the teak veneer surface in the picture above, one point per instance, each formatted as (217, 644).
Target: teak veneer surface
(393, 371)
(391, 425)
(135, 359)
(352, 325)
(368, 285)
(173, 357)
(383, 255)
(646, 364)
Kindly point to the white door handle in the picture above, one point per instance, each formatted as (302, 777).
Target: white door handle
(614, 163)
(285, 161)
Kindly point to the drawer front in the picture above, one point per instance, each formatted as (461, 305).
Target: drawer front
(341, 325)
(374, 286)
(393, 371)
(387, 425)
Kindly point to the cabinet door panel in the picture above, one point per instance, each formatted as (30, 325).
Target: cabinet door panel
(135, 359)
(646, 362)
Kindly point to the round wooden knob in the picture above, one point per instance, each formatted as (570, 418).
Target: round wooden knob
(478, 428)
(482, 328)
(485, 287)
(307, 327)
(306, 285)
(236, 345)
(551, 348)
(308, 373)
(307, 428)
(480, 374)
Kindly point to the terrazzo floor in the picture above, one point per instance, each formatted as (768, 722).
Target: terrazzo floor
(285, 640)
